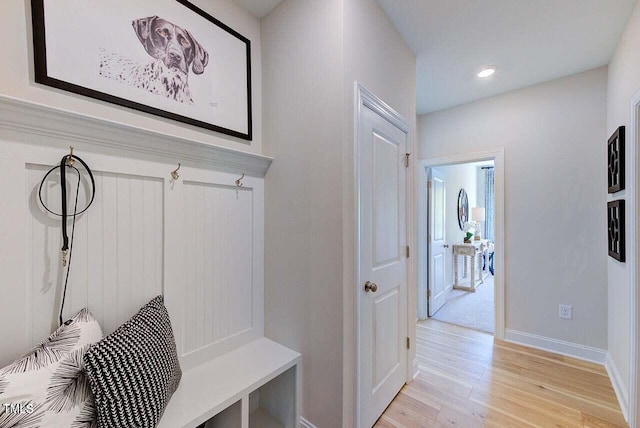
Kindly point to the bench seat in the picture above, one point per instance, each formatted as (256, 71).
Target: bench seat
(210, 388)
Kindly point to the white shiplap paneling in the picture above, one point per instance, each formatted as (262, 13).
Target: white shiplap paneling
(218, 274)
(117, 257)
(132, 243)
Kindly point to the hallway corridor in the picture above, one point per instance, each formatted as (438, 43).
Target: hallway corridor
(467, 380)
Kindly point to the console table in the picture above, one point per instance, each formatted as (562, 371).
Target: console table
(472, 251)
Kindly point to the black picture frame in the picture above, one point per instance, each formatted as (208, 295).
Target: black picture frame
(463, 208)
(42, 77)
(616, 161)
(616, 229)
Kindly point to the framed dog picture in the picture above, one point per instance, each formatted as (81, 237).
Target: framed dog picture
(164, 57)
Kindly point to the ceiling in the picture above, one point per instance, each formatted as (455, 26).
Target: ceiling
(259, 8)
(528, 41)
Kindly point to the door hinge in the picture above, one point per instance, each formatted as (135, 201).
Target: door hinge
(429, 184)
(428, 294)
(406, 159)
(408, 343)
(407, 251)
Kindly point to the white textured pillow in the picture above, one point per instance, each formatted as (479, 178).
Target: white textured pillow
(47, 387)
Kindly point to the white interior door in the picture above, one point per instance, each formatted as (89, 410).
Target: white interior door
(382, 265)
(437, 243)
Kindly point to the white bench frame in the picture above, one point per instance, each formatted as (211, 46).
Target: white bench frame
(208, 389)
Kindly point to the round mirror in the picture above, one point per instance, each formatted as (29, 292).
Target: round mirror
(463, 208)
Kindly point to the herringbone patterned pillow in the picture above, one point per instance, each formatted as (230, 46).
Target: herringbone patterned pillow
(134, 371)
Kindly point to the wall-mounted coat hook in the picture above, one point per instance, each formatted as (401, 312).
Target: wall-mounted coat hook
(70, 160)
(174, 173)
(239, 181)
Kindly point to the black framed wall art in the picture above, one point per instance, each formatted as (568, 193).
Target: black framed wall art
(463, 208)
(615, 156)
(164, 57)
(616, 229)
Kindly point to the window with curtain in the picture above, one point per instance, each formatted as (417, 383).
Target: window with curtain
(488, 203)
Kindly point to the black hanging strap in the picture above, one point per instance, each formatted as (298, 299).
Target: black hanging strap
(63, 193)
(67, 246)
(63, 183)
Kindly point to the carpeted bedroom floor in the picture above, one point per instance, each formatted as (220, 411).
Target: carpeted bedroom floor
(473, 310)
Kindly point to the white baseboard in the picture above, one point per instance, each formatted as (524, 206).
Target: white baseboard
(618, 386)
(306, 424)
(557, 346)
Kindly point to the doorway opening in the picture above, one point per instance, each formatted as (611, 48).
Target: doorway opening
(461, 241)
(462, 245)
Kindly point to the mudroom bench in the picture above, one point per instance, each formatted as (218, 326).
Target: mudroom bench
(255, 385)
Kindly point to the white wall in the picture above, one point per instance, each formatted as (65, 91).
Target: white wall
(463, 176)
(376, 56)
(624, 82)
(312, 54)
(555, 194)
(302, 65)
(17, 76)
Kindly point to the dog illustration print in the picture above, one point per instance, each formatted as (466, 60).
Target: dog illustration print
(174, 51)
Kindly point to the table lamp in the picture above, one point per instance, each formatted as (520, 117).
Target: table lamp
(477, 215)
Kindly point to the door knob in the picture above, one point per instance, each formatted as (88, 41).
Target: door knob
(370, 286)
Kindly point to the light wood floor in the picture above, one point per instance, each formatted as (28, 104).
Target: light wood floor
(466, 380)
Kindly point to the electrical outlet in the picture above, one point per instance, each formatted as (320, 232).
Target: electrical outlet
(566, 312)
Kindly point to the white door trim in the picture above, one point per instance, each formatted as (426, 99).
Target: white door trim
(497, 156)
(634, 228)
(365, 98)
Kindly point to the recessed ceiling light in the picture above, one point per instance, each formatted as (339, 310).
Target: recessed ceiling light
(487, 72)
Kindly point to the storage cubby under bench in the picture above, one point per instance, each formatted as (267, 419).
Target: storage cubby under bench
(255, 385)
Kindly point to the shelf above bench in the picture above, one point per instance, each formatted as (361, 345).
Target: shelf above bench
(208, 389)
